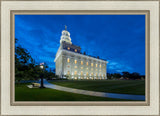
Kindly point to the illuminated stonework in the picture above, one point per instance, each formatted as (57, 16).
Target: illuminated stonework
(71, 63)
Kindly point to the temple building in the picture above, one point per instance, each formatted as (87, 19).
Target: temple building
(72, 64)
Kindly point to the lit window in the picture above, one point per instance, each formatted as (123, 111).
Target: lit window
(75, 72)
(100, 65)
(92, 73)
(81, 67)
(75, 61)
(75, 50)
(96, 65)
(87, 73)
(87, 68)
(75, 67)
(81, 72)
(87, 63)
(91, 64)
(91, 68)
(96, 69)
(68, 60)
(96, 74)
(81, 62)
(68, 48)
(68, 72)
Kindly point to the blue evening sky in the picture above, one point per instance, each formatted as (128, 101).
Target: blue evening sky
(119, 39)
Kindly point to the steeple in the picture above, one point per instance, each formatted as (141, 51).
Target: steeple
(65, 27)
(65, 36)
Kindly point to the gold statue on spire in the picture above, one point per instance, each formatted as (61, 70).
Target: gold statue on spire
(65, 27)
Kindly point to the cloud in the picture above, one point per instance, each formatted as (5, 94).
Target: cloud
(120, 39)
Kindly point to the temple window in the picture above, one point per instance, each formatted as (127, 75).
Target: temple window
(81, 62)
(87, 73)
(75, 61)
(92, 73)
(75, 72)
(87, 63)
(68, 48)
(68, 60)
(81, 72)
(68, 72)
(75, 50)
(91, 64)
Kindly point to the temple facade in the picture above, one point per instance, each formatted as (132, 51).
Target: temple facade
(72, 64)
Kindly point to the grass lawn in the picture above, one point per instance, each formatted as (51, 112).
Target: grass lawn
(23, 93)
(136, 87)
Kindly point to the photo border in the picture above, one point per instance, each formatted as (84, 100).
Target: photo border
(81, 103)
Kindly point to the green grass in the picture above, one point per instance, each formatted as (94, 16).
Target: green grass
(23, 93)
(136, 87)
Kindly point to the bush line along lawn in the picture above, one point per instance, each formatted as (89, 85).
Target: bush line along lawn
(23, 93)
(136, 87)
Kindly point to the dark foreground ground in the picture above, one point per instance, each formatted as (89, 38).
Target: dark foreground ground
(23, 93)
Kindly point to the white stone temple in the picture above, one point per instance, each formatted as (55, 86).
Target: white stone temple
(72, 64)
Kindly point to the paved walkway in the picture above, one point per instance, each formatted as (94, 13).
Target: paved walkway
(93, 93)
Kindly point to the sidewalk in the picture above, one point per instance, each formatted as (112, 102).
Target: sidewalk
(93, 93)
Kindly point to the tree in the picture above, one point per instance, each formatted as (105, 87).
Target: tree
(126, 74)
(117, 75)
(24, 64)
(108, 75)
(135, 75)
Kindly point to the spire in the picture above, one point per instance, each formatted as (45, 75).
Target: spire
(65, 36)
(66, 27)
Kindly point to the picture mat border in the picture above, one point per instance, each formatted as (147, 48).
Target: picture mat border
(81, 103)
(121, 107)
